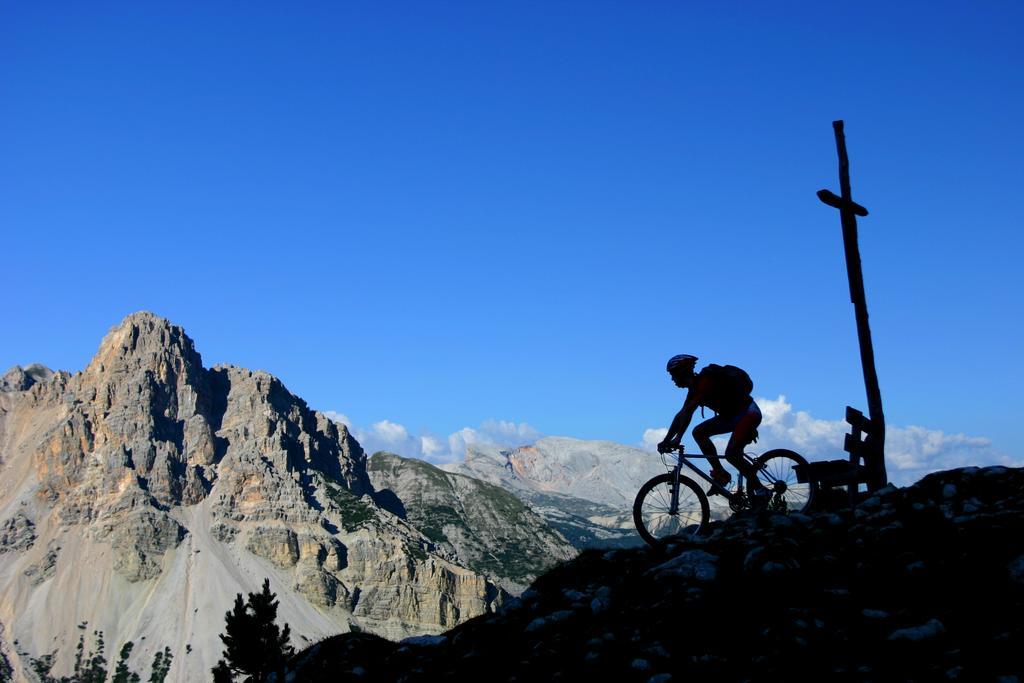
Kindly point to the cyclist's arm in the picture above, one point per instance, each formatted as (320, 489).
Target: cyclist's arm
(680, 422)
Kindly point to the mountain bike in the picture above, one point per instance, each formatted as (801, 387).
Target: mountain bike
(673, 504)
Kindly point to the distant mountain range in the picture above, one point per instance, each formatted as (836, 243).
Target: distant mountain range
(585, 489)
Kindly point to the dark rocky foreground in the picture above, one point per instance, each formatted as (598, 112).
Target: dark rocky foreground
(918, 584)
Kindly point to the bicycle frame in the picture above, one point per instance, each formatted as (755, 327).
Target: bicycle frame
(683, 459)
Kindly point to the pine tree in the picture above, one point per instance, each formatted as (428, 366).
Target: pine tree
(222, 673)
(254, 646)
(161, 665)
(96, 664)
(79, 655)
(122, 674)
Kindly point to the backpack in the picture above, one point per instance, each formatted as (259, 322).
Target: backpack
(730, 387)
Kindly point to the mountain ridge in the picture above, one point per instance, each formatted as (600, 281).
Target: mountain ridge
(141, 493)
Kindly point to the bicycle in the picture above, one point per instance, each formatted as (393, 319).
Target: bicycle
(673, 504)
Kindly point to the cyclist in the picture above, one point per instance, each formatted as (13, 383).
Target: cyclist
(725, 390)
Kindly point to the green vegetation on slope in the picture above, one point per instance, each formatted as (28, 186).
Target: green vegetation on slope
(455, 510)
(355, 512)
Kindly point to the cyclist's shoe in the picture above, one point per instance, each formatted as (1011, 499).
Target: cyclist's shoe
(722, 478)
(759, 498)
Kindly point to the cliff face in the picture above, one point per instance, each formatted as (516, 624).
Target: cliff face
(142, 493)
(488, 528)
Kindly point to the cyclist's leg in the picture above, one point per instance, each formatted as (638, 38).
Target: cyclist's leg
(702, 434)
(742, 434)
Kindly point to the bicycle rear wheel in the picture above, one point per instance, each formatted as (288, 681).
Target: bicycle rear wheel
(652, 513)
(775, 471)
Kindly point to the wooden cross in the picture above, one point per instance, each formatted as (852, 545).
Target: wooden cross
(874, 445)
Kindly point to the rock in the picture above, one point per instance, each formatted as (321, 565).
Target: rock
(657, 651)
(45, 568)
(886, 491)
(536, 624)
(871, 503)
(139, 540)
(929, 630)
(781, 522)
(17, 534)
(801, 519)
(916, 568)
(225, 533)
(320, 587)
(278, 544)
(833, 520)
(773, 561)
(426, 641)
(1016, 570)
(697, 564)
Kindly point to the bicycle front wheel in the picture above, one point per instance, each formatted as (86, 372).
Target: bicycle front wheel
(653, 515)
(775, 471)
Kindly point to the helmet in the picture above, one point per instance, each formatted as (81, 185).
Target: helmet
(681, 360)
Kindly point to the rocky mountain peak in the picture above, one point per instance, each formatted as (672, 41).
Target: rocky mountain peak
(22, 378)
(144, 340)
(140, 494)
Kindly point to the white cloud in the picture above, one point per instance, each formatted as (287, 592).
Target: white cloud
(783, 428)
(431, 446)
(917, 448)
(910, 452)
(393, 437)
(390, 432)
(457, 441)
(491, 432)
(652, 437)
(511, 432)
(384, 435)
(339, 417)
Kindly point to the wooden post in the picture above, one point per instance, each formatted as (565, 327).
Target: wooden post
(848, 212)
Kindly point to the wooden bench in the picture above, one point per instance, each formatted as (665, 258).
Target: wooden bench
(858, 469)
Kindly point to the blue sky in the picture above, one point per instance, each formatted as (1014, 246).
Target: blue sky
(440, 214)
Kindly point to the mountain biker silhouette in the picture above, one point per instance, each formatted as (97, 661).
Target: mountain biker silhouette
(725, 390)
